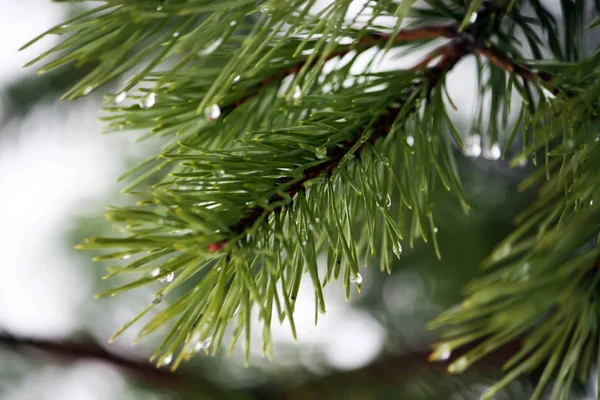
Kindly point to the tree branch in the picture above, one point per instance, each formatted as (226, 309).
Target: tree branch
(73, 350)
(405, 35)
(508, 64)
(450, 54)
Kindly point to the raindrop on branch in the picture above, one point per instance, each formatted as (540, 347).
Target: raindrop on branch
(155, 272)
(473, 146)
(493, 153)
(473, 17)
(87, 90)
(212, 113)
(296, 93)
(120, 97)
(168, 278)
(410, 140)
(167, 360)
(356, 279)
(397, 248)
(148, 100)
(203, 344)
(211, 47)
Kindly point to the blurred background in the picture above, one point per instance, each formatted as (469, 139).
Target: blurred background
(57, 175)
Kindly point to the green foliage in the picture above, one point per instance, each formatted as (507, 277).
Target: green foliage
(283, 140)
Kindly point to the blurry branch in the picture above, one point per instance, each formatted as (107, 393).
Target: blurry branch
(143, 370)
(389, 371)
(78, 350)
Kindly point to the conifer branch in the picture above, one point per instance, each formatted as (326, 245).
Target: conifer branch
(450, 54)
(509, 65)
(366, 42)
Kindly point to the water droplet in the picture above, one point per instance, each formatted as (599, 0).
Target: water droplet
(356, 279)
(202, 344)
(87, 90)
(473, 17)
(441, 353)
(120, 97)
(218, 173)
(167, 360)
(296, 93)
(522, 162)
(236, 79)
(168, 278)
(233, 23)
(126, 257)
(597, 139)
(212, 113)
(410, 140)
(157, 299)
(388, 202)
(458, 366)
(321, 153)
(65, 26)
(212, 46)
(148, 100)
(493, 153)
(158, 8)
(397, 248)
(591, 202)
(175, 34)
(473, 146)
(435, 230)
(155, 272)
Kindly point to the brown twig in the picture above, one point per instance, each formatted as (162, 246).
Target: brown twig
(450, 54)
(74, 350)
(69, 350)
(405, 35)
(508, 64)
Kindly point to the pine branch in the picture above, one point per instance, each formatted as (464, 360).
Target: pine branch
(366, 42)
(450, 54)
(506, 63)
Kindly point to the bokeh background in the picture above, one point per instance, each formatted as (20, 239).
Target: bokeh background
(57, 175)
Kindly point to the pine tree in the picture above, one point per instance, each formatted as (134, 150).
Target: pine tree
(284, 139)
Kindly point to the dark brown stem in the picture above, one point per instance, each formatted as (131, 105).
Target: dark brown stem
(509, 65)
(143, 370)
(73, 350)
(450, 54)
(405, 35)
